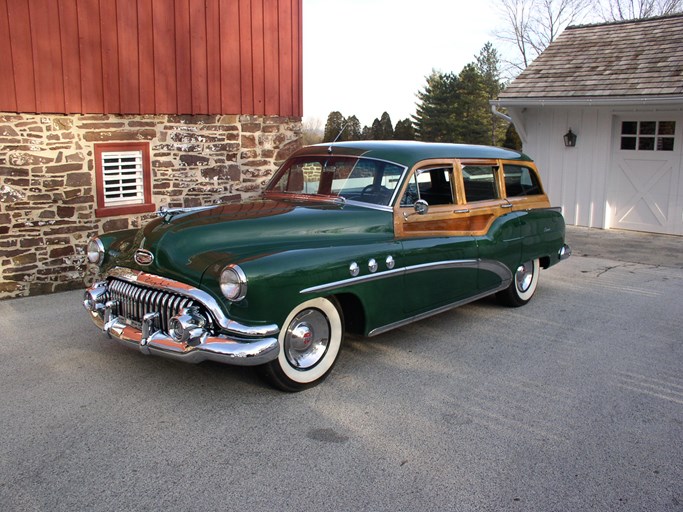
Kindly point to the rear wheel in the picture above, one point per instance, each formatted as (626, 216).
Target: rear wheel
(523, 285)
(310, 341)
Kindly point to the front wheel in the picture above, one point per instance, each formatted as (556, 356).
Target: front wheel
(310, 341)
(523, 285)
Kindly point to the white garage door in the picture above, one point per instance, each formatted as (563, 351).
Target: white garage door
(645, 189)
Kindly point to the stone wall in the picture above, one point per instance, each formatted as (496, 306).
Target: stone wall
(47, 181)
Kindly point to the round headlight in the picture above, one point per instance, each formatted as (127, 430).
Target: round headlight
(95, 251)
(233, 283)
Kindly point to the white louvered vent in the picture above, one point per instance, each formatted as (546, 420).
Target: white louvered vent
(123, 178)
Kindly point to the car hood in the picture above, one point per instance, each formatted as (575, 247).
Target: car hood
(184, 245)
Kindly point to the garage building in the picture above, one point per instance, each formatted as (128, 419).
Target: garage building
(601, 111)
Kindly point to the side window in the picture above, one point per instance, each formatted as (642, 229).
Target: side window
(521, 181)
(433, 185)
(480, 182)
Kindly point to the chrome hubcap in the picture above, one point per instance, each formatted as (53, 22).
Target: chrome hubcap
(524, 276)
(307, 339)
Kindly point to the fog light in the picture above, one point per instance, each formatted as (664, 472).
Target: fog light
(188, 326)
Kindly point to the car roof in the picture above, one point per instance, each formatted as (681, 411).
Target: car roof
(409, 153)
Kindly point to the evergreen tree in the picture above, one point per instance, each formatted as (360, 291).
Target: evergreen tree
(376, 130)
(488, 64)
(353, 130)
(404, 130)
(334, 125)
(472, 117)
(366, 134)
(512, 139)
(386, 127)
(433, 119)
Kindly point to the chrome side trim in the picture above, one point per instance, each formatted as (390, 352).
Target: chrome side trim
(351, 281)
(163, 283)
(427, 314)
(371, 206)
(491, 265)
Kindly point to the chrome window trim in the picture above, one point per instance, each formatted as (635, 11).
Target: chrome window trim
(163, 283)
(491, 265)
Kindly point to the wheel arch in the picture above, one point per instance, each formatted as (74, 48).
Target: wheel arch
(353, 312)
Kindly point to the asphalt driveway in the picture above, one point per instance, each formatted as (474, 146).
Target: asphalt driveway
(573, 402)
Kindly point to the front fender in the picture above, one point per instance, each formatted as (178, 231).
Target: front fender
(278, 282)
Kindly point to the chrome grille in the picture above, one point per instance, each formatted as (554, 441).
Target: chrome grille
(136, 301)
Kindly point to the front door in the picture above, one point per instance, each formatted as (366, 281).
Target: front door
(439, 252)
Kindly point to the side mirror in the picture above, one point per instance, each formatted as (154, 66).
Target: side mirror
(421, 206)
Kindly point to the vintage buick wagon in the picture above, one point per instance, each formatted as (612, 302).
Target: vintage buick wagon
(361, 237)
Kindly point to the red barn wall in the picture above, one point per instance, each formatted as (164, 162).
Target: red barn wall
(151, 57)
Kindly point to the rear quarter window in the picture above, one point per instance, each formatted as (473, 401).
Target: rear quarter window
(521, 181)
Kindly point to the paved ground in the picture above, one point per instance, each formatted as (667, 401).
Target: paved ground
(573, 402)
(631, 246)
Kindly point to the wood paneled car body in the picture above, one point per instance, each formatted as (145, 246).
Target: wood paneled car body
(355, 236)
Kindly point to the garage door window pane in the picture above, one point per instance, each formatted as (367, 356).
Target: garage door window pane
(647, 127)
(665, 144)
(629, 128)
(628, 143)
(646, 144)
(667, 128)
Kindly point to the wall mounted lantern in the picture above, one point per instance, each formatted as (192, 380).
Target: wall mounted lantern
(570, 139)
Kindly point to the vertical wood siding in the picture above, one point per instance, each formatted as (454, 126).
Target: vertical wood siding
(151, 56)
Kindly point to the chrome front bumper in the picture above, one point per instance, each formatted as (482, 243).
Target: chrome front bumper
(187, 340)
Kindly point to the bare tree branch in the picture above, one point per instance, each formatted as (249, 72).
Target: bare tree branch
(619, 10)
(531, 25)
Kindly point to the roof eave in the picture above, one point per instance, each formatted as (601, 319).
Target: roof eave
(606, 101)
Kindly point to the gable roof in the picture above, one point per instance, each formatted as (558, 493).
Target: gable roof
(641, 60)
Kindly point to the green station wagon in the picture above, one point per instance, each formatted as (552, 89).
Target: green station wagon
(358, 237)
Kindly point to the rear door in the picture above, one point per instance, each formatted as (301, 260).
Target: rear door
(496, 226)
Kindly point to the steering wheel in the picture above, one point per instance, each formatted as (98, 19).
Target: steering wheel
(376, 195)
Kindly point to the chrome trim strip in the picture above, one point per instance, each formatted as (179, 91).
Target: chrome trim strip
(427, 314)
(352, 280)
(437, 265)
(371, 206)
(163, 283)
(490, 265)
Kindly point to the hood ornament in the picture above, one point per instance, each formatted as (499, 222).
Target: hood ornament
(168, 213)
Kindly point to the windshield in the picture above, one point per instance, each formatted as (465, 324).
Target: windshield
(354, 179)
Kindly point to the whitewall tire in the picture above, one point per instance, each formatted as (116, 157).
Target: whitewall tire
(310, 341)
(523, 285)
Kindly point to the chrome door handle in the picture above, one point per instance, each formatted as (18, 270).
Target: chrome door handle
(466, 210)
(508, 205)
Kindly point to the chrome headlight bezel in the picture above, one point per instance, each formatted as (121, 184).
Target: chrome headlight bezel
(233, 283)
(95, 251)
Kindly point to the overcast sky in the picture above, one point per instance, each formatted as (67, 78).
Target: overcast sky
(364, 57)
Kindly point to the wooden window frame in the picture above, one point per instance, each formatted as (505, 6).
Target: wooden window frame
(110, 211)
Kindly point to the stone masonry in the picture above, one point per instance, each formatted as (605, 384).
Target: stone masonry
(47, 181)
